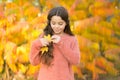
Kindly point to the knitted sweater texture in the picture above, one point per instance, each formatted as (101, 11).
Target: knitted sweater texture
(66, 53)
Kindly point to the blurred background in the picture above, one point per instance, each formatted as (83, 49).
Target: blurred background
(96, 23)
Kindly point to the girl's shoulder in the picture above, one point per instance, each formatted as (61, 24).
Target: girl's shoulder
(69, 37)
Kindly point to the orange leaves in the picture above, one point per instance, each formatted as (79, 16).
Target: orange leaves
(2, 11)
(76, 14)
(12, 18)
(2, 33)
(101, 63)
(78, 71)
(15, 37)
(31, 11)
(10, 57)
(22, 54)
(10, 5)
(39, 22)
(21, 22)
(35, 33)
(17, 32)
(101, 9)
(32, 69)
(83, 42)
(113, 51)
(16, 57)
(22, 68)
(94, 69)
(106, 65)
(81, 14)
(89, 33)
(1, 14)
(1, 63)
(81, 25)
(104, 30)
(41, 19)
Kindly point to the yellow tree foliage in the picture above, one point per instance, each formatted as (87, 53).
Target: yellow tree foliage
(95, 22)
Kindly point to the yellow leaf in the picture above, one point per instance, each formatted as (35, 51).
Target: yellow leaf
(32, 69)
(13, 67)
(1, 68)
(22, 54)
(77, 70)
(22, 68)
(1, 61)
(44, 49)
(48, 37)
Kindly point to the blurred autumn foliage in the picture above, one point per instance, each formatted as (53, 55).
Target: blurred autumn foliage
(96, 23)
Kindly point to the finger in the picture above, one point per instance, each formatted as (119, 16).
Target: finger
(47, 43)
(53, 39)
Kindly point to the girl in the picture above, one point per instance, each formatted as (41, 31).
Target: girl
(63, 50)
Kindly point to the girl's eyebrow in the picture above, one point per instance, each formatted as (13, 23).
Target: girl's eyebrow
(55, 21)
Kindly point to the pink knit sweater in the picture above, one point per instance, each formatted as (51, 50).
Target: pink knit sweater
(66, 53)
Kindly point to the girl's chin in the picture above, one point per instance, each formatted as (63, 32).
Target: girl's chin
(58, 32)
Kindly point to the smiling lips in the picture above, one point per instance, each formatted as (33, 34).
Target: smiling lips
(57, 30)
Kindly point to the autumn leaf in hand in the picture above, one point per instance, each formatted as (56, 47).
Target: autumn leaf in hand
(44, 49)
(48, 37)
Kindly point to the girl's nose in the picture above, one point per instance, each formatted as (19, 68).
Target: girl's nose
(56, 25)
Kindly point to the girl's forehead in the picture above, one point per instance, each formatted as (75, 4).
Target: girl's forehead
(56, 18)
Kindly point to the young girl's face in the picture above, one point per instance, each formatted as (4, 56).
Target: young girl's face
(57, 24)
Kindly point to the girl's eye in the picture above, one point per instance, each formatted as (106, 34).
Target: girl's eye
(53, 23)
(60, 23)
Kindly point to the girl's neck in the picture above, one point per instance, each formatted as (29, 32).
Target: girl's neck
(61, 34)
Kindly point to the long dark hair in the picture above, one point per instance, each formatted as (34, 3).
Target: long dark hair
(47, 57)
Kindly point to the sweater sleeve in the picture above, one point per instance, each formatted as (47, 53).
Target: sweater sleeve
(34, 55)
(70, 51)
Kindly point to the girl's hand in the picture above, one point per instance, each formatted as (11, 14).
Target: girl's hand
(55, 38)
(44, 42)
